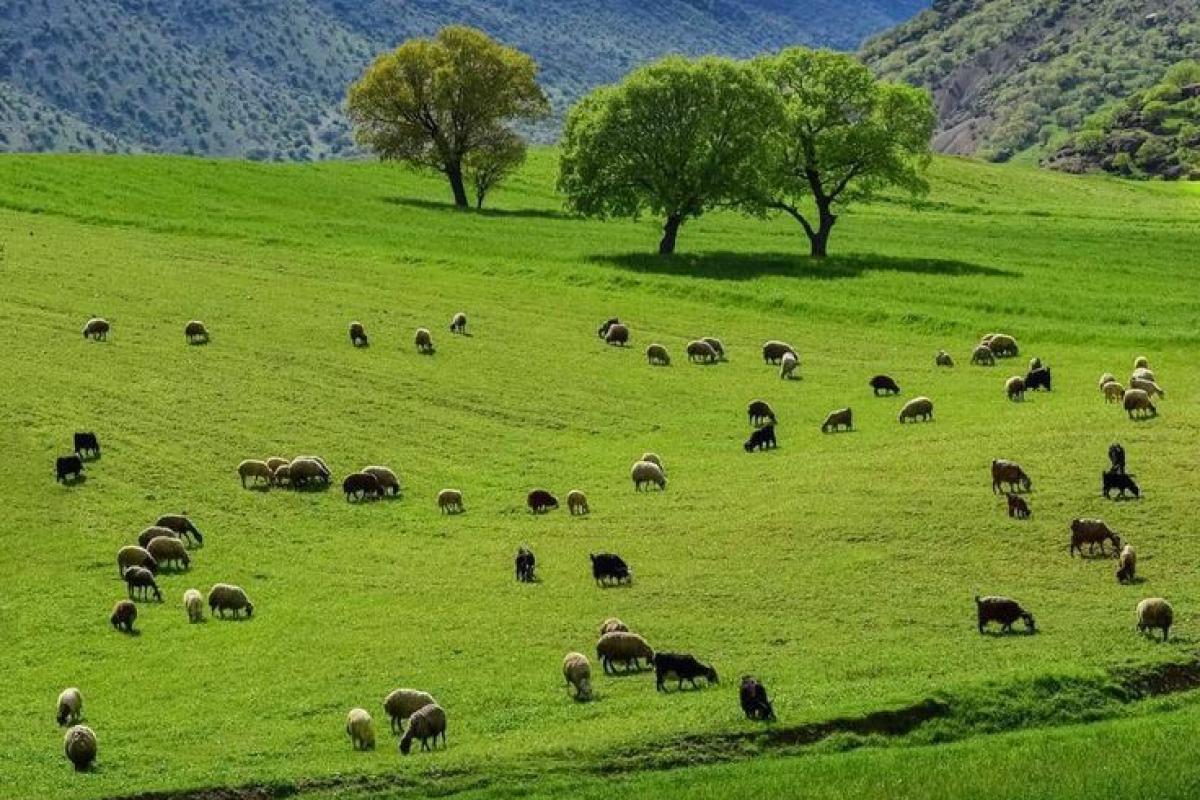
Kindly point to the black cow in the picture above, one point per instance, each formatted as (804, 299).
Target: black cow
(525, 562)
(753, 696)
(681, 667)
(68, 467)
(1037, 379)
(1116, 457)
(761, 439)
(610, 568)
(86, 444)
(1120, 482)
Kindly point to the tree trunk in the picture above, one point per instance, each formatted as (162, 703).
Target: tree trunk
(454, 173)
(819, 239)
(666, 247)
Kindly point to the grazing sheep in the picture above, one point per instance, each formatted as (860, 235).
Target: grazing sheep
(1155, 612)
(787, 366)
(361, 485)
(358, 335)
(884, 385)
(193, 603)
(224, 597)
(1113, 391)
(577, 503)
(130, 556)
(1011, 473)
(943, 359)
(70, 706)
(181, 525)
(702, 352)
(141, 580)
(578, 673)
(681, 667)
(753, 697)
(1003, 345)
(458, 323)
(423, 340)
(79, 745)
(761, 439)
(774, 350)
(835, 419)
(1092, 532)
(1003, 610)
(1116, 457)
(624, 647)
(917, 408)
(254, 469)
(541, 501)
(169, 551)
(645, 472)
(1014, 387)
(612, 625)
(388, 481)
(610, 568)
(153, 532)
(717, 345)
(1127, 565)
(1144, 374)
(1038, 379)
(124, 614)
(282, 475)
(1138, 400)
(425, 724)
(96, 328)
(305, 470)
(1017, 507)
(760, 411)
(1107, 377)
(450, 501)
(1035, 364)
(1119, 482)
(1148, 386)
(983, 356)
(656, 354)
(602, 332)
(86, 444)
(525, 563)
(361, 729)
(68, 468)
(1141, 362)
(617, 334)
(400, 704)
(654, 458)
(195, 332)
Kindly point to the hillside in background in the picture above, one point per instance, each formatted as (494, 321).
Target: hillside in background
(1017, 75)
(266, 79)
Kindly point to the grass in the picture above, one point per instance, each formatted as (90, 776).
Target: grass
(839, 569)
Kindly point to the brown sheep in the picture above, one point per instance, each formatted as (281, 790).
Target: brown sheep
(1014, 387)
(1017, 507)
(1010, 473)
(423, 339)
(1138, 400)
(983, 356)
(1092, 532)
(618, 334)
(701, 351)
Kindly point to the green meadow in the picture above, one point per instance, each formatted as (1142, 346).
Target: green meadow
(839, 569)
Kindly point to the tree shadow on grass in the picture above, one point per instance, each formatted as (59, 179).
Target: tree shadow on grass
(724, 265)
(516, 213)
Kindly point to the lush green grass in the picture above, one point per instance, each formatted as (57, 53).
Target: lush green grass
(840, 569)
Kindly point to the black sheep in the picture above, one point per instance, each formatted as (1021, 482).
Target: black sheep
(1120, 482)
(525, 562)
(540, 501)
(682, 667)
(753, 696)
(1116, 457)
(883, 384)
(610, 568)
(181, 525)
(361, 485)
(761, 439)
(1002, 610)
(86, 444)
(1038, 379)
(68, 467)
(603, 332)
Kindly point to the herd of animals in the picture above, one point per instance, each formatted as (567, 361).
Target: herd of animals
(166, 543)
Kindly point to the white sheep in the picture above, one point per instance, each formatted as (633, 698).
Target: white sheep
(275, 462)
(400, 704)
(423, 339)
(450, 501)
(702, 351)
(578, 673)
(1113, 391)
(917, 408)
(1142, 373)
(612, 624)
(70, 706)
(1148, 386)
(1138, 400)
(133, 556)
(787, 366)
(193, 603)
(386, 477)
(656, 354)
(1155, 612)
(224, 597)
(1141, 362)
(644, 472)
(254, 469)
(80, 746)
(1107, 377)
(1127, 565)
(361, 729)
(654, 458)
(425, 724)
(624, 647)
(169, 550)
(577, 502)
(458, 323)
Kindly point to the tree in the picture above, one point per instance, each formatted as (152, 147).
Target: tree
(845, 137)
(676, 138)
(438, 102)
(499, 156)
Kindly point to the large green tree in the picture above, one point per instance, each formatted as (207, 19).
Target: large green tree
(676, 138)
(444, 102)
(845, 136)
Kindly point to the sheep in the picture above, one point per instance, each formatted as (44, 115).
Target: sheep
(624, 647)
(1107, 377)
(609, 568)
(654, 458)
(1014, 387)
(1155, 612)
(1138, 400)
(400, 704)
(1141, 362)
(388, 481)
(835, 419)
(254, 469)
(1113, 392)
(611, 625)
(86, 444)
(943, 359)
(1116, 457)
(181, 525)
(193, 603)
(70, 706)
(425, 723)
(1148, 386)
(681, 667)
(307, 469)
(774, 350)
(657, 355)
(195, 332)
(79, 745)
(917, 408)
(577, 503)
(761, 439)
(1144, 374)
(541, 501)
(140, 579)
(787, 366)
(1017, 507)
(169, 550)
(1038, 379)
(96, 328)
(282, 475)
(759, 411)
(525, 562)
(1003, 610)
(701, 351)
(124, 614)
(458, 323)
(1092, 532)
(578, 673)
(1120, 482)
(69, 467)
(645, 472)
(617, 334)
(358, 335)
(423, 340)
(450, 501)
(1127, 565)
(224, 597)
(753, 697)
(1035, 364)
(717, 345)
(883, 384)
(1010, 473)
(361, 729)
(320, 463)
(131, 556)
(983, 356)
(361, 485)
(602, 331)
(1003, 345)
(152, 533)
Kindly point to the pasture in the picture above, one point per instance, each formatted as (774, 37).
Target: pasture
(839, 569)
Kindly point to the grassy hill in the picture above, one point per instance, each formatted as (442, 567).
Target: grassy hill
(839, 569)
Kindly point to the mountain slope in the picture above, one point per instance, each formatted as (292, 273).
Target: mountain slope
(265, 79)
(1010, 75)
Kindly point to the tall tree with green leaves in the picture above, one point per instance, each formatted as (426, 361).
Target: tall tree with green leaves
(443, 102)
(845, 137)
(676, 138)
